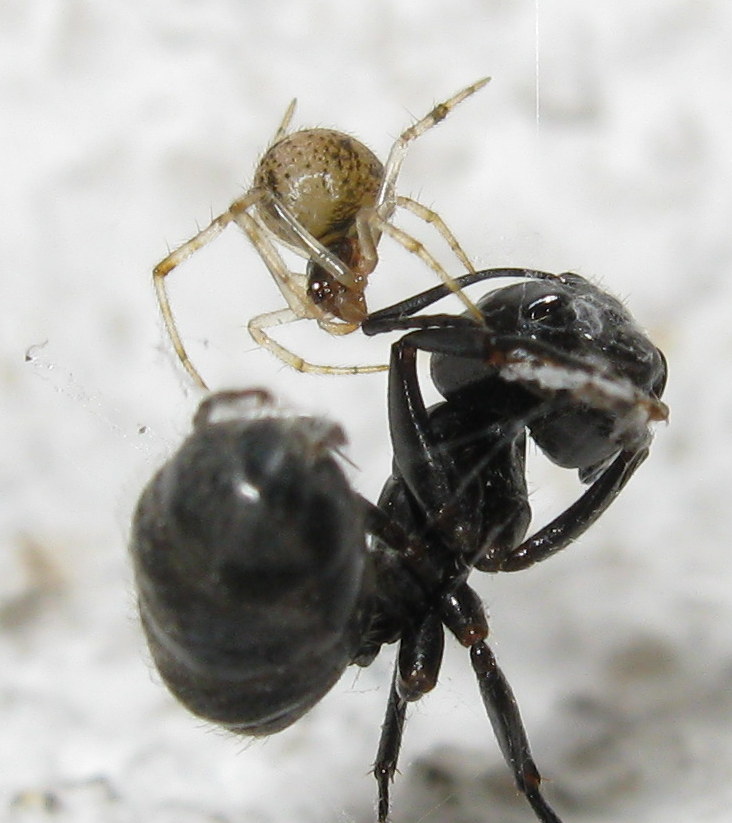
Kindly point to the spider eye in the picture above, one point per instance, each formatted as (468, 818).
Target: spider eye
(551, 310)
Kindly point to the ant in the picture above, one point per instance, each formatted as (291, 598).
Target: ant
(556, 359)
(327, 197)
(261, 574)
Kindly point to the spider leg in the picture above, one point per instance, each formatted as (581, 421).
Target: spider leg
(291, 284)
(257, 326)
(293, 289)
(175, 258)
(414, 246)
(433, 219)
(310, 247)
(399, 149)
(285, 124)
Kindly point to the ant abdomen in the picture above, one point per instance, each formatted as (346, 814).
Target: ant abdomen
(249, 560)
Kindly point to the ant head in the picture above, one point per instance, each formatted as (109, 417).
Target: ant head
(582, 375)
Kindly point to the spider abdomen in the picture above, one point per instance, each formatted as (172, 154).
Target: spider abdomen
(323, 178)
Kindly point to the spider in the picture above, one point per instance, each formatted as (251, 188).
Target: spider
(327, 197)
(261, 574)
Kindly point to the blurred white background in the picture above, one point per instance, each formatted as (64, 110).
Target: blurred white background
(600, 146)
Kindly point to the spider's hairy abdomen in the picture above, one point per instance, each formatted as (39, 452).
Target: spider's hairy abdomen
(323, 178)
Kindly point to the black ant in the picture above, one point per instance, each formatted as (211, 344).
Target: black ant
(262, 575)
(556, 358)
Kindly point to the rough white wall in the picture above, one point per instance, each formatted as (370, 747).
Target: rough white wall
(601, 146)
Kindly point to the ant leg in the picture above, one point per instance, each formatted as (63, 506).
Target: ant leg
(390, 742)
(399, 149)
(418, 458)
(508, 727)
(434, 476)
(415, 673)
(420, 657)
(426, 467)
(575, 520)
(256, 328)
(432, 479)
(476, 526)
(463, 613)
(175, 258)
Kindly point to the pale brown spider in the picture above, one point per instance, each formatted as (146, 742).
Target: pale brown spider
(328, 198)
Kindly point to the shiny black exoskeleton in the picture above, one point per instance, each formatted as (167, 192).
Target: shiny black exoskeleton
(556, 359)
(249, 554)
(261, 574)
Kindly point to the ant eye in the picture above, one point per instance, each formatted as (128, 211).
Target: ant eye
(551, 310)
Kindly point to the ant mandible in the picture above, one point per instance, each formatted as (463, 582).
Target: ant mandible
(327, 197)
(262, 575)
